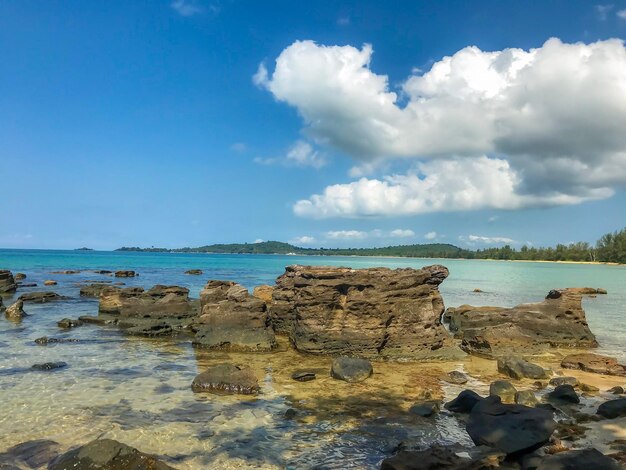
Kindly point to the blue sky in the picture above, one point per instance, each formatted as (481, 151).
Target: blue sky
(172, 123)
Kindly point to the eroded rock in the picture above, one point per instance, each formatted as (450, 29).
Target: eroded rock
(557, 321)
(41, 297)
(15, 311)
(158, 302)
(232, 319)
(518, 368)
(125, 273)
(375, 312)
(595, 363)
(7, 282)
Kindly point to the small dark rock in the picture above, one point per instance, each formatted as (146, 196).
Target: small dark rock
(19, 276)
(351, 369)
(125, 274)
(616, 390)
(291, 413)
(464, 402)
(69, 323)
(425, 409)
(613, 408)
(194, 272)
(303, 375)
(563, 393)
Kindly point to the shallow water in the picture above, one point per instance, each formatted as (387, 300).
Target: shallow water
(138, 391)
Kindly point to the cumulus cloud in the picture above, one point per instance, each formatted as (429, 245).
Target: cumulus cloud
(603, 11)
(300, 154)
(622, 14)
(186, 7)
(487, 240)
(430, 235)
(346, 235)
(543, 126)
(303, 240)
(400, 233)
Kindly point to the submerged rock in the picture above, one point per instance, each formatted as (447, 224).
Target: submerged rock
(41, 297)
(31, 454)
(194, 272)
(613, 408)
(7, 282)
(425, 409)
(227, 378)
(374, 312)
(107, 454)
(455, 377)
(93, 290)
(150, 329)
(595, 363)
(19, 276)
(441, 457)
(50, 282)
(232, 319)
(303, 375)
(464, 402)
(518, 368)
(617, 390)
(351, 369)
(158, 302)
(512, 429)
(69, 323)
(557, 321)
(15, 311)
(584, 459)
(45, 340)
(49, 366)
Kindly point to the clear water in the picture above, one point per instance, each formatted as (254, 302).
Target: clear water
(138, 391)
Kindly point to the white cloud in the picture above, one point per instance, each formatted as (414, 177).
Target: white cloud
(303, 154)
(239, 147)
(343, 21)
(300, 154)
(488, 240)
(437, 186)
(621, 14)
(186, 7)
(430, 235)
(551, 120)
(346, 235)
(258, 240)
(303, 240)
(402, 233)
(603, 11)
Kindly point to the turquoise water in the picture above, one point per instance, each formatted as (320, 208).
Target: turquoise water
(137, 390)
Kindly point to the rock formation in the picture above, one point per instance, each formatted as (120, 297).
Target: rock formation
(374, 312)
(15, 311)
(158, 302)
(232, 319)
(41, 297)
(227, 378)
(558, 321)
(595, 363)
(7, 282)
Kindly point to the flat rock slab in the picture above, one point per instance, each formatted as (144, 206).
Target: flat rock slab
(107, 454)
(595, 363)
(227, 378)
(40, 297)
(49, 366)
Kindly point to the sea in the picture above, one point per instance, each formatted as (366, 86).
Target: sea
(138, 390)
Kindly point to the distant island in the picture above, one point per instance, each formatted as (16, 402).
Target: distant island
(83, 249)
(611, 248)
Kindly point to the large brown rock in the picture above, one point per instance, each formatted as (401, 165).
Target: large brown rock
(158, 302)
(232, 319)
(594, 363)
(7, 282)
(374, 312)
(16, 310)
(557, 321)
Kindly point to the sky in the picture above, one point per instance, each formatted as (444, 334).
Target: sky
(336, 124)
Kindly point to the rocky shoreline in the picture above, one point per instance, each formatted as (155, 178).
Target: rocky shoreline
(543, 397)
